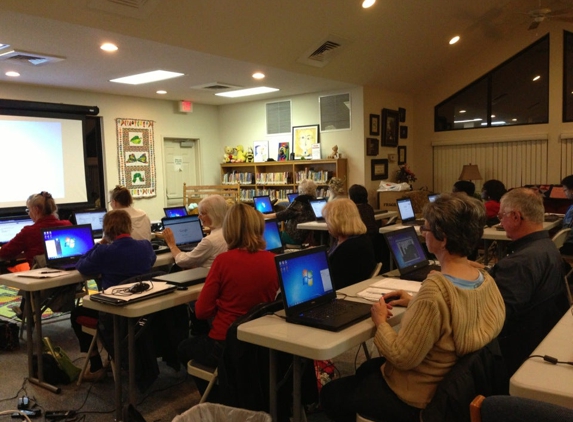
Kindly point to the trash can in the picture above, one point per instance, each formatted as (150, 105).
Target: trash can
(214, 412)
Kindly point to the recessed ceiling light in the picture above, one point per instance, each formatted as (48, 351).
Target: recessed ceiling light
(514, 120)
(247, 92)
(161, 92)
(455, 39)
(108, 47)
(492, 116)
(258, 75)
(147, 77)
(462, 111)
(368, 3)
(536, 78)
(12, 73)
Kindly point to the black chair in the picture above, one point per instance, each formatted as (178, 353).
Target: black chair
(517, 409)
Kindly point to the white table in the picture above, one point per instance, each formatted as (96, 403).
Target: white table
(321, 225)
(540, 380)
(300, 341)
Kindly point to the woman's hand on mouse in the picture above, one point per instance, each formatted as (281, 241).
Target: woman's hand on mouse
(397, 298)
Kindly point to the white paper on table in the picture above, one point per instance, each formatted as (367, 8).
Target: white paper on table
(373, 293)
(398, 284)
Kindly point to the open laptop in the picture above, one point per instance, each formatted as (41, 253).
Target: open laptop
(309, 296)
(179, 211)
(409, 254)
(65, 245)
(291, 196)
(273, 237)
(187, 231)
(185, 277)
(317, 206)
(11, 226)
(407, 214)
(263, 204)
(93, 217)
(433, 196)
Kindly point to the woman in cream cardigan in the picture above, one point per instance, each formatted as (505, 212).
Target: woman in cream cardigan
(457, 311)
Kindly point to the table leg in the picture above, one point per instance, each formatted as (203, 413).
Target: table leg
(297, 410)
(273, 384)
(117, 362)
(131, 358)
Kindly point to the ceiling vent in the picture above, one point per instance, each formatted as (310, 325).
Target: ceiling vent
(139, 9)
(32, 59)
(216, 86)
(321, 53)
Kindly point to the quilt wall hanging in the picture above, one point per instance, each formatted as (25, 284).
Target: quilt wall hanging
(136, 156)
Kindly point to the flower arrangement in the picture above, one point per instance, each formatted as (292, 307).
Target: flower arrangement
(405, 175)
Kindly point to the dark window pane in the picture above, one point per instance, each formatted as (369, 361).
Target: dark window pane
(568, 77)
(465, 110)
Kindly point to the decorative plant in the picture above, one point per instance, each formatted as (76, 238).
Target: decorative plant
(405, 175)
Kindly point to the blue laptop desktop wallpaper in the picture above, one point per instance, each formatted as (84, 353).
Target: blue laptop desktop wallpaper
(304, 277)
(406, 248)
(175, 212)
(68, 241)
(263, 204)
(272, 235)
(291, 196)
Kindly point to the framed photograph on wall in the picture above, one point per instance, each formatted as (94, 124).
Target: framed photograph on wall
(372, 146)
(402, 155)
(379, 169)
(402, 114)
(303, 137)
(261, 151)
(389, 128)
(283, 151)
(403, 132)
(374, 125)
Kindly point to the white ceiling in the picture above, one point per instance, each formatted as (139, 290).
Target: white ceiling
(400, 46)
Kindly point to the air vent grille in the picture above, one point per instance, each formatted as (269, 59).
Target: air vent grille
(33, 59)
(139, 9)
(216, 86)
(323, 52)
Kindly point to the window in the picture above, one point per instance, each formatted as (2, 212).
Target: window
(334, 112)
(514, 93)
(278, 117)
(568, 77)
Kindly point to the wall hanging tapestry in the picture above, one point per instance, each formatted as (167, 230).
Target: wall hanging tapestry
(136, 156)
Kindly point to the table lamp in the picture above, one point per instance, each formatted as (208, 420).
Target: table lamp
(470, 172)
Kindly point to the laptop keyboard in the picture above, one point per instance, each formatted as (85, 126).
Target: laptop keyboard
(333, 309)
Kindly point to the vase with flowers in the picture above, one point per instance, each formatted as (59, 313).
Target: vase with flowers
(405, 175)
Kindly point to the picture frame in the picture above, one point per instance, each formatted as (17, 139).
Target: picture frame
(379, 169)
(389, 128)
(283, 150)
(261, 151)
(303, 137)
(374, 125)
(403, 132)
(372, 146)
(402, 157)
(402, 114)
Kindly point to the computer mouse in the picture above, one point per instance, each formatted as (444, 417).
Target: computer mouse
(391, 298)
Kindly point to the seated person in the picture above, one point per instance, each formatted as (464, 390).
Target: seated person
(116, 258)
(567, 248)
(239, 279)
(121, 199)
(335, 189)
(464, 186)
(298, 211)
(351, 256)
(457, 311)
(491, 193)
(212, 211)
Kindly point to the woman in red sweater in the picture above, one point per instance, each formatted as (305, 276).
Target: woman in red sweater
(239, 279)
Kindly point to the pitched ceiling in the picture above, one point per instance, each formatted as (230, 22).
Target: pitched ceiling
(399, 46)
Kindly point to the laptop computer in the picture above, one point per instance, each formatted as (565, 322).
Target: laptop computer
(433, 196)
(65, 245)
(187, 231)
(185, 278)
(317, 206)
(309, 296)
(263, 204)
(407, 214)
(273, 237)
(11, 226)
(291, 196)
(123, 297)
(93, 217)
(179, 211)
(409, 254)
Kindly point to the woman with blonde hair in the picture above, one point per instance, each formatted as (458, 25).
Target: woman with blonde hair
(351, 256)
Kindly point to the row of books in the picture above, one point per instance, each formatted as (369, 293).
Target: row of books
(237, 177)
(280, 194)
(279, 178)
(320, 176)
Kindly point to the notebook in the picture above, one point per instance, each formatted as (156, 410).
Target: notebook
(273, 237)
(185, 277)
(11, 226)
(263, 204)
(433, 196)
(291, 196)
(409, 254)
(93, 217)
(317, 206)
(308, 294)
(118, 296)
(179, 211)
(406, 211)
(65, 245)
(186, 230)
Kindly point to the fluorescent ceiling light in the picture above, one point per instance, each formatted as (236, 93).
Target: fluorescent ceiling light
(467, 121)
(501, 122)
(144, 78)
(247, 92)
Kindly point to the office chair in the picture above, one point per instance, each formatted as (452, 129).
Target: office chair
(376, 270)
(516, 409)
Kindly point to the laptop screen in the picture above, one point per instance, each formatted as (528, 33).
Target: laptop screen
(291, 196)
(171, 212)
(263, 204)
(95, 218)
(11, 226)
(65, 242)
(406, 248)
(304, 276)
(433, 196)
(272, 236)
(405, 209)
(317, 206)
(186, 230)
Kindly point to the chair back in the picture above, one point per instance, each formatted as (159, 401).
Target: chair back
(560, 237)
(376, 270)
(517, 409)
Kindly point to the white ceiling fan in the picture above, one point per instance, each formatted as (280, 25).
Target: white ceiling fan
(545, 13)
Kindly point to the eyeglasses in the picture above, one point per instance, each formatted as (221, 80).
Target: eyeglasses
(503, 214)
(425, 229)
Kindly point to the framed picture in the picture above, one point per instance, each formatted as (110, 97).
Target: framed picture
(402, 155)
(374, 125)
(371, 146)
(389, 128)
(303, 137)
(379, 169)
(403, 132)
(261, 151)
(402, 114)
(283, 151)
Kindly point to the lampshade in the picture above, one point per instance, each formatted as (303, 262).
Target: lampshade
(470, 172)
